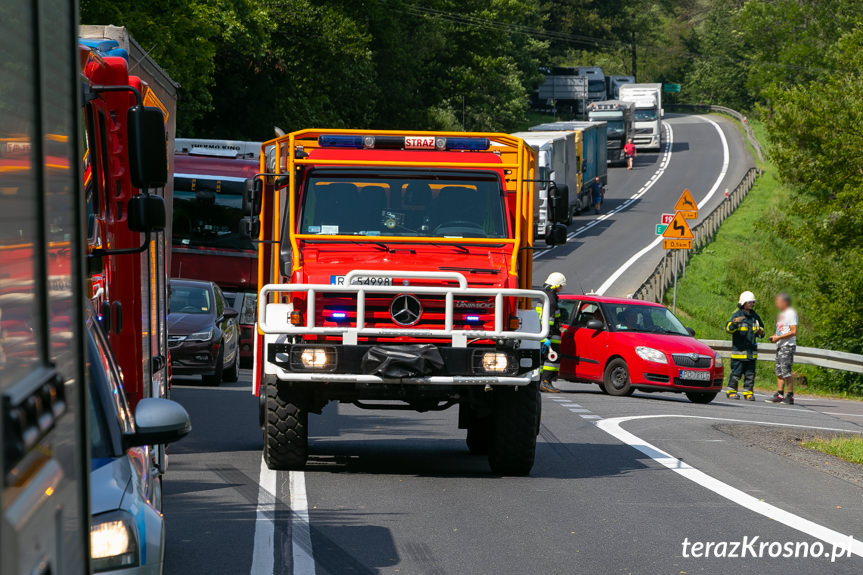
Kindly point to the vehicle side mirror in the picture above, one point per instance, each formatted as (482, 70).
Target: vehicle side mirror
(148, 147)
(595, 325)
(253, 196)
(556, 235)
(662, 112)
(158, 421)
(146, 213)
(691, 331)
(231, 313)
(250, 226)
(559, 202)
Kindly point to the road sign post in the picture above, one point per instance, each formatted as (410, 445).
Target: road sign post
(674, 296)
(678, 235)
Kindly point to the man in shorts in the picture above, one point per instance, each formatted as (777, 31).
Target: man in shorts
(629, 152)
(786, 344)
(597, 193)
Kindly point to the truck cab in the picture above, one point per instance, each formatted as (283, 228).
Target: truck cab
(596, 89)
(401, 280)
(618, 117)
(647, 99)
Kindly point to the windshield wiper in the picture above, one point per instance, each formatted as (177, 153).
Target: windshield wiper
(459, 247)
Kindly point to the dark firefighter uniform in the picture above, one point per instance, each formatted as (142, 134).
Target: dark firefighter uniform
(551, 359)
(744, 350)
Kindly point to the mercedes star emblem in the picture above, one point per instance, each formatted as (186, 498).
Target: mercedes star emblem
(405, 309)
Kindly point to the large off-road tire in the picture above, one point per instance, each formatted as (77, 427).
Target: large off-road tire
(215, 379)
(701, 396)
(616, 380)
(232, 372)
(479, 435)
(514, 425)
(286, 430)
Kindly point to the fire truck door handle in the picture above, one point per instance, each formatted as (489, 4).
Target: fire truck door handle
(117, 317)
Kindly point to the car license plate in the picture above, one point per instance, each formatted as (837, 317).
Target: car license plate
(694, 375)
(362, 280)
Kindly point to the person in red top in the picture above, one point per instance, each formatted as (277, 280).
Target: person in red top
(629, 152)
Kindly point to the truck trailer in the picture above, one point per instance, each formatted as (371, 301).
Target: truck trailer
(618, 117)
(557, 161)
(395, 272)
(647, 99)
(591, 139)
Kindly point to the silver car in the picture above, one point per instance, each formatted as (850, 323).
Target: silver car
(127, 530)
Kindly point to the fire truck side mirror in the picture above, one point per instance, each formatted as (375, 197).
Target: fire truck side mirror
(254, 196)
(148, 147)
(556, 235)
(559, 202)
(146, 213)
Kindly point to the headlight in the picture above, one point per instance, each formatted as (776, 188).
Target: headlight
(717, 360)
(250, 309)
(314, 358)
(495, 362)
(650, 354)
(113, 541)
(201, 335)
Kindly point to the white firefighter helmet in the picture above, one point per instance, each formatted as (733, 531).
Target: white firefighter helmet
(745, 298)
(556, 280)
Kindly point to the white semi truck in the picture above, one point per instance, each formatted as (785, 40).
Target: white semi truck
(556, 161)
(648, 114)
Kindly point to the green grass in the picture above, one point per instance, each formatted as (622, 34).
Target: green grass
(534, 118)
(847, 448)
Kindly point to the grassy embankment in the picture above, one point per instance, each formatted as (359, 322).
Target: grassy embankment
(749, 253)
(847, 448)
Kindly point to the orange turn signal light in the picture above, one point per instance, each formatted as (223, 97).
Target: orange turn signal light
(514, 323)
(296, 318)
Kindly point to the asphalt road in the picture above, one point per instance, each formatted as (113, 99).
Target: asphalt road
(398, 492)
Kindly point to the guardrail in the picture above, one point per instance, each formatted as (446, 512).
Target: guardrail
(750, 135)
(653, 289)
(805, 355)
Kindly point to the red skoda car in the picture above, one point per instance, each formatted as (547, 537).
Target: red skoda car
(625, 344)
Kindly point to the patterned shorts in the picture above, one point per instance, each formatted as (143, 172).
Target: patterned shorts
(784, 360)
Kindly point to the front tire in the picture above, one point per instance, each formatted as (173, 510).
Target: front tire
(215, 380)
(514, 424)
(701, 396)
(232, 373)
(286, 430)
(616, 380)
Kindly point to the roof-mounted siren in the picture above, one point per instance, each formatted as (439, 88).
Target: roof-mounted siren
(439, 143)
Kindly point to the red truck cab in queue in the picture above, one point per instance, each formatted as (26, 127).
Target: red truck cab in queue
(128, 288)
(396, 267)
(211, 179)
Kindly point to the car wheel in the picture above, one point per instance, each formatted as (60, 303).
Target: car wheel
(616, 381)
(232, 373)
(701, 396)
(215, 380)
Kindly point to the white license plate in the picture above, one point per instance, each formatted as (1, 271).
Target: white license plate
(362, 280)
(694, 375)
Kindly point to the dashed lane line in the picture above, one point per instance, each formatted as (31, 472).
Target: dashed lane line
(838, 540)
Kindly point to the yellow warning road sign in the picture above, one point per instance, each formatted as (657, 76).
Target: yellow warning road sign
(677, 244)
(678, 229)
(686, 205)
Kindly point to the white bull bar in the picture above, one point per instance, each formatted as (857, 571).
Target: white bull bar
(459, 337)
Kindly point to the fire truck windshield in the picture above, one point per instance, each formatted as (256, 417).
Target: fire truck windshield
(454, 203)
(205, 218)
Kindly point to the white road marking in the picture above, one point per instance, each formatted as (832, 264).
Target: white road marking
(559, 400)
(263, 552)
(805, 526)
(301, 536)
(590, 417)
(663, 165)
(641, 253)
(845, 414)
(574, 410)
(573, 405)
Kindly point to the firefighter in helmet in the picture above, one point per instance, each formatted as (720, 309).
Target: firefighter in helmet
(745, 326)
(551, 346)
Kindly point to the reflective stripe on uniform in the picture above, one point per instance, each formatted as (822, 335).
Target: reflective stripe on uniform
(743, 356)
(743, 328)
(550, 368)
(554, 340)
(730, 327)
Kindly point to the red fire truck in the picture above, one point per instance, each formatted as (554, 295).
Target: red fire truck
(211, 178)
(128, 268)
(395, 273)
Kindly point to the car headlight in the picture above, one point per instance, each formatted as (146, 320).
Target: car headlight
(495, 361)
(250, 309)
(113, 541)
(717, 360)
(205, 335)
(650, 354)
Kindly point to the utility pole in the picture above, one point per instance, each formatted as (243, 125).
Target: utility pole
(634, 58)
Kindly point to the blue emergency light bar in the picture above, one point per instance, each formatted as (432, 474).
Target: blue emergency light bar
(403, 143)
(471, 318)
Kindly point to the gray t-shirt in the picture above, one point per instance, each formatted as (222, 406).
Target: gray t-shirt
(784, 322)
